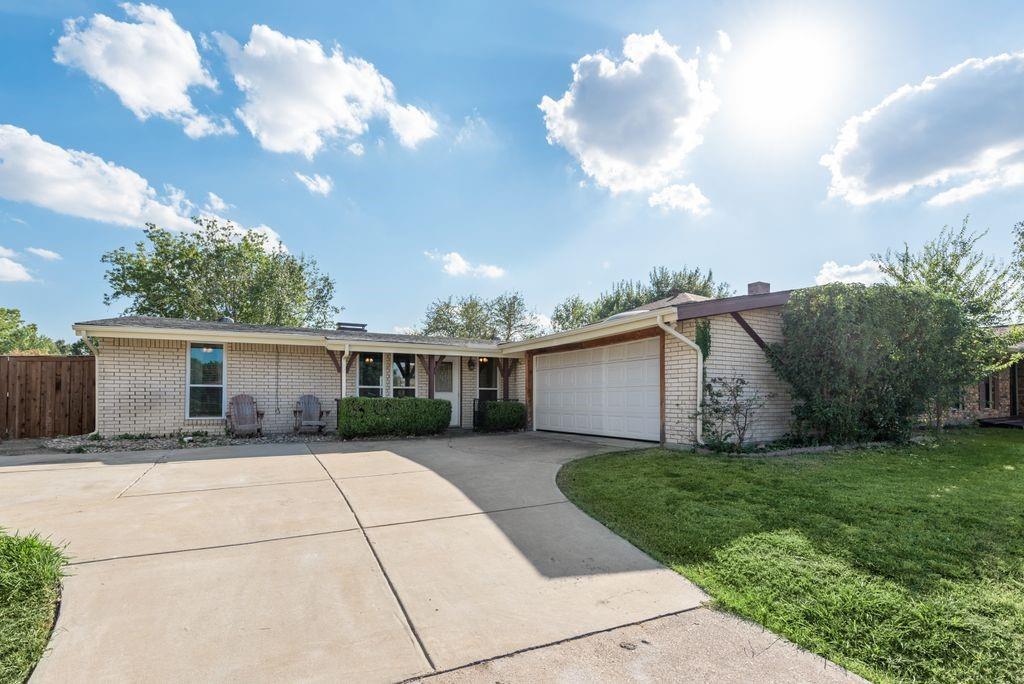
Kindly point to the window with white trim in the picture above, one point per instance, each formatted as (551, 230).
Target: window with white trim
(487, 387)
(403, 375)
(370, 376)
(205, 388)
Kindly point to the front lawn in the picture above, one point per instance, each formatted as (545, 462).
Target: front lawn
(901, 564)
(30, 573)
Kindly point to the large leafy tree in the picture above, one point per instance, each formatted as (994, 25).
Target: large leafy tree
(215, 271)
(624, 295)
(506, 317)
(953, 264)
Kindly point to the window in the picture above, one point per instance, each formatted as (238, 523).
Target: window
(205, 381)
(488, 387)
(371, 375)
(403, 375)
(444, 377)
(985, 393)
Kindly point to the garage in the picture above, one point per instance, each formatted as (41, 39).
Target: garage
(612, 391)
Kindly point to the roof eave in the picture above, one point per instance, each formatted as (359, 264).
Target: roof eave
(717, 307)
(590, 332)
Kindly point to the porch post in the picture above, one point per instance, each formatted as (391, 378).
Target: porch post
(505, 367)
(430, 361)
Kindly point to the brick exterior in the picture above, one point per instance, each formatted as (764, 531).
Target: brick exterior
(733, 355)
(1001, 405)
(140, 384)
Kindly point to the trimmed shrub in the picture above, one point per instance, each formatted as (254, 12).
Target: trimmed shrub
(503, 415)
(387, 416)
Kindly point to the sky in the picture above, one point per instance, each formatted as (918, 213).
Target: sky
(421, 150)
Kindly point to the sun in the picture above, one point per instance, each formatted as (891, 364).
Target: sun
(784, 80)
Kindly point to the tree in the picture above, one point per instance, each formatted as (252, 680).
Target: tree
(21, 338)
(506, 317)
(865, 362)
(511, 318)
(572, 313)
(953, 265)
(631, 294)
(465, 318)
(219, 270)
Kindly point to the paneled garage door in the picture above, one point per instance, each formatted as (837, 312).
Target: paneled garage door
(612, 391)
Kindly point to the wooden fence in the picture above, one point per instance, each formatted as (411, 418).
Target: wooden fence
(47, 396)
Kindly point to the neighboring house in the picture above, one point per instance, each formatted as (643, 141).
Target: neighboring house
(635, 375)
(1000, 395)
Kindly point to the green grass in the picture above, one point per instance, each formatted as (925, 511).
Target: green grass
(30, 573)
(902, 564)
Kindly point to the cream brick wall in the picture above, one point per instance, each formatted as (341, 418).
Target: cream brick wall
(680, 387)
(277, 375)
(470, 380)
(141, 384)
(733, 355)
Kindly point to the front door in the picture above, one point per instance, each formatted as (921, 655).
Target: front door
(446, 386)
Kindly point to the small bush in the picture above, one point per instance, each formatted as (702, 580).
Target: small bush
(386, 416)
(503, 415)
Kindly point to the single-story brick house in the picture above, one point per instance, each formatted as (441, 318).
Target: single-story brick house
(634, 375)
(997, 397)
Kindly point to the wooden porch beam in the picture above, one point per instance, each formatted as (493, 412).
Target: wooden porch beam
(334, 359)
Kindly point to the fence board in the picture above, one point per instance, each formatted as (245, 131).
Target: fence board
(47, 396)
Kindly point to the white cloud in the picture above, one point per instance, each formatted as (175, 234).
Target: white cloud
(724, 41)
(150, 64)
(214, 203)
(543, 321)
(13, 272)
(356, 149)
(273, 238)
(403, 330)
(456, 265)
(632, 123)
(86, 186)
(866, 272)
(81, 184)
(317, 184)
(961, 130)
(297, 97)
(681, 198)
(7, 252)
(47, 254)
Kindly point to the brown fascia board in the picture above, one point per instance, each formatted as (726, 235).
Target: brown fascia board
(715, 307)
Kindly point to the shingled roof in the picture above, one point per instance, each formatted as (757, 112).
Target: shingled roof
(160, 323)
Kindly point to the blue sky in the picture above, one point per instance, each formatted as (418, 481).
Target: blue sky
(655, 155)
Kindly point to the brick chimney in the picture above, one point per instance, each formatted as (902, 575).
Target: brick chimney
(758, 287)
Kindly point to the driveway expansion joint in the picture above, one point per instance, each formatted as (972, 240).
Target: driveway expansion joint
(465, 515)
(380, 565)
(219, 489)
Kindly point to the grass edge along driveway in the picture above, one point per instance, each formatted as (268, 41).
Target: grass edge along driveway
(901, 564)
(30, 573)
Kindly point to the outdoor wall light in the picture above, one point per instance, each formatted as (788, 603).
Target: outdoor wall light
(484, 359)
(471, 364)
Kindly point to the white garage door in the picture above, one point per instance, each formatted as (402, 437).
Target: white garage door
(612, 391)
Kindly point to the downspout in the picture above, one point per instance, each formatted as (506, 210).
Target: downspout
(700, 367)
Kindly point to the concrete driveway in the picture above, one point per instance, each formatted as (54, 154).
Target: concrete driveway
(361, 562)
(334, 561)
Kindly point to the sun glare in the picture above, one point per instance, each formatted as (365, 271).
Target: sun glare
(784, 80)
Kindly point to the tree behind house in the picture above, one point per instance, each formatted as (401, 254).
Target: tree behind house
(506, 317)
(624, 295)
(215, 271)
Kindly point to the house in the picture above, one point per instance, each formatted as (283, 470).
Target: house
(997, 398)
(634, 375)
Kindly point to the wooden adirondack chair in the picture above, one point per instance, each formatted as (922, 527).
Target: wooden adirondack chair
(309, 415)
(243, 417)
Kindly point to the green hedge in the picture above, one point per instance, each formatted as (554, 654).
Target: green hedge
(386, 416)
(503, 415)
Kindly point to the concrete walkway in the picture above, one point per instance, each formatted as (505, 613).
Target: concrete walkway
(333, 561)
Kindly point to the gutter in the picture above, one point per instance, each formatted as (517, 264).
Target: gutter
(700, 368)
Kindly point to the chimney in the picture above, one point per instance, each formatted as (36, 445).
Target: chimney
(758, 287)
(350, 327)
